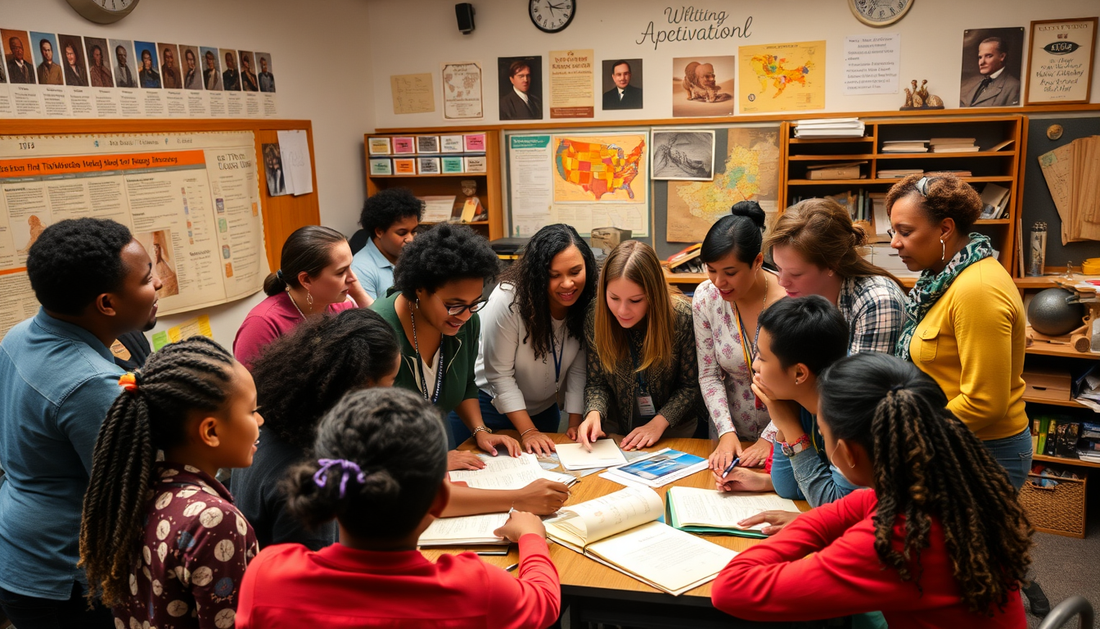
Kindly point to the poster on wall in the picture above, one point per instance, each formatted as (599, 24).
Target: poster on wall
(684, 154)
(192, 199)
(782, 77)
(412, 93)
(872, 63)
(462, 95)
(1059, 68)
(571, 84)
(702, 86)
(622, 84)
(520, 88)
(991, 62)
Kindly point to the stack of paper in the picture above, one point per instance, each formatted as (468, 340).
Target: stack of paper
(829, 128)
(904, 146)
(605, 453)
(953, 145)
(505, 472)
(1072, 172)
(898, 173)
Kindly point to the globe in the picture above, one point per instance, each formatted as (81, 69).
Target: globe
(1050, 314)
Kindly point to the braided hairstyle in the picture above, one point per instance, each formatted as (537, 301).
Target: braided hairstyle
(530, 277)
(397, 440)
(192, 375)
(303, 374)
(928, 464)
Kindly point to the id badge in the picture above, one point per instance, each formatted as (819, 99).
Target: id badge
(645, 406)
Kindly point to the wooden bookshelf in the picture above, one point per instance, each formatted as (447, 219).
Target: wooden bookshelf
(1043, 458)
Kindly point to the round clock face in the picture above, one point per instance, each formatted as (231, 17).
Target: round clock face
(552, 16)
(103, 11)
(879, 12)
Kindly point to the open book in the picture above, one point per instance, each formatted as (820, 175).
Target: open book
(506, 472)
(464, 531)
(711, 511)
(621, 531)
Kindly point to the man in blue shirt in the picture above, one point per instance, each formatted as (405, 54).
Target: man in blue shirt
(57, 381)
(389, 218)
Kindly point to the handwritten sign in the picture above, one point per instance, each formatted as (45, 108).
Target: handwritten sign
(412, 93)
(1061, 59)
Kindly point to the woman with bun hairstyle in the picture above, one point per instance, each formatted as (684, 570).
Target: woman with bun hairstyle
(532, 339)
(161, 540)
(726, 309)
(814, 246)
(380, 468)
(314, 277)
(939, 539)
(438, 283)
(298, 379)
(642, 377)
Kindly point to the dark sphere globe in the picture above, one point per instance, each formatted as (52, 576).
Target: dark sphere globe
(1049, 313)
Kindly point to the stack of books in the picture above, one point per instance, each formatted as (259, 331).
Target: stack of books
(829, 128)
(996, 200)
(898, 173)
(905, 146)
(1088, 444)
(953, 145)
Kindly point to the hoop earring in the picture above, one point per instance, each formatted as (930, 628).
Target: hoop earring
(943, 250)
(309, 300)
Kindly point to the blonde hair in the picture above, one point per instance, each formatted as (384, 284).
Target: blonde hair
(637, 262)
(823, 233)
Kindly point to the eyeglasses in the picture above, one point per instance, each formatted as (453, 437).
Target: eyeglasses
(891, 233)
(454, 311)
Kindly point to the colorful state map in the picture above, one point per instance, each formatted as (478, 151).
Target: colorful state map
(782, 77)
(751, 173)
(608, 168)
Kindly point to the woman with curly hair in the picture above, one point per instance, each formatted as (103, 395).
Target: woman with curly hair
(938, 541)
(532, 341)
(439, 279)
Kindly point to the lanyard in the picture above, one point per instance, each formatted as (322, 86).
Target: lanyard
(557, 357)
(745, 346)
(420, 367)
(642, 386)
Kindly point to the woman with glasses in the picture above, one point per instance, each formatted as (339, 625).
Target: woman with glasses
(439, 280)
(532, 341)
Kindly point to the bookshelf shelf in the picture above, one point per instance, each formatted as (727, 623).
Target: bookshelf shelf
(1038, 400)
(1062, 351)
(1063, 460)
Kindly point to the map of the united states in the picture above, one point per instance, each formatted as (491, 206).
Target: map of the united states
(772, 69)
(598, 169)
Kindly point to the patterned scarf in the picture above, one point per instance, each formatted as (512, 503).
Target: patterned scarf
(930, 287)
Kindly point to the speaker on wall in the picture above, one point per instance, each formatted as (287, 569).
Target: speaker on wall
(464, 11)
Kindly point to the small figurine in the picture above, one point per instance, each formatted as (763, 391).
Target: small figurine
(918, 102)
(919, 98)
(908, 99)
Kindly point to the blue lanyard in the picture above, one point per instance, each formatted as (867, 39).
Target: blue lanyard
(557, 357)
(642, 386)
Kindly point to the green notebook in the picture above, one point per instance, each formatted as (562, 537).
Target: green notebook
(712, 512)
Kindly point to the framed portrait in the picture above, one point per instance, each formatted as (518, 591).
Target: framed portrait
(992, 60)
(622, 84)
(520, 87)
(686, 155)
(703, 86)
(1059, 68)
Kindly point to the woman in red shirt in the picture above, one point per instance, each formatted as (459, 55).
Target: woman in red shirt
(940, 540)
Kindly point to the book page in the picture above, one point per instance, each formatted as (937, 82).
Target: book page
(707, 507)
(605, 516)
(672, 560)
(501, 472)
(471, 529)
(605, 453)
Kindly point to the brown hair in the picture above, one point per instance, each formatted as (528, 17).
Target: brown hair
(940, 196)
(823, 233)
(637, 262)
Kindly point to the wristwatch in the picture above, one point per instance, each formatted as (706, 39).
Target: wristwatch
(791, 449)
(482, 429)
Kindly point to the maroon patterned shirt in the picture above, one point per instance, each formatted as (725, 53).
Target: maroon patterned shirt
(194, 550)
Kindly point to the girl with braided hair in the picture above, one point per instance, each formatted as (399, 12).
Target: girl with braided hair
(380, 472)
(161, 540)
(938, 541)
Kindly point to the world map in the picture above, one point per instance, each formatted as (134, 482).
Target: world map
(772, 69)
(750, 173)
(599, 170)
(782, 77)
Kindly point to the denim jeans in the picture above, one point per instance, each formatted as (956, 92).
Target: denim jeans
(28, 612)
(546, 421)
(1014, 454)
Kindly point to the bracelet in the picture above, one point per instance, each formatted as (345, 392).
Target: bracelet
(481, 429)
(527, 431)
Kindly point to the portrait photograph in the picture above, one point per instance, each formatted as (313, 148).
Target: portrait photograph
(19, 66)
(520, 87)
(686, 155)
(992, 59)
(191, 67)
(249, 81)
(211, 68)
(99, 57)
(273, 170)
(72, 60)
(148, 65)
(46, 63)
(171, 75)
(231, 74)
(265, 72)
(622, 84)
(122, 62)
(702, 86)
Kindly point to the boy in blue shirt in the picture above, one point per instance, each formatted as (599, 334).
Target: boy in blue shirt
(389, 218)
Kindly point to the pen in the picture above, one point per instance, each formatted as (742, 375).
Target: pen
(729, 468)
(511, 567)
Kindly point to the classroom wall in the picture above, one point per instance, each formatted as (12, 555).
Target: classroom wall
(323, 74)
(931, 37)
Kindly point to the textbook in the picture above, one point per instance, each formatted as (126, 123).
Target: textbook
(657, 469)
(464, 531)
(713, 512)
(605, 453)
(621, 531)
(506, 472)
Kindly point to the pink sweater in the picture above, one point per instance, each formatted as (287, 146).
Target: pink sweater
(270, 319)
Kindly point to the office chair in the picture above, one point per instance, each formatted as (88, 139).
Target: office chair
(1067, 609)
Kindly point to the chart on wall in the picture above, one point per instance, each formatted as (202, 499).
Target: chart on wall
(782, 77)
(191, 199)
(585, 180)
(750, 173)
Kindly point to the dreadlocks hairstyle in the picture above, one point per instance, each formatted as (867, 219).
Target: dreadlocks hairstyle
(928, 464)
(303, 374)
(530, 277)
(381, 457)
(192, 375)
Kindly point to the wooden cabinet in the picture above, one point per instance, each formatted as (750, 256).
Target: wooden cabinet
(448, 184)
(986, 165)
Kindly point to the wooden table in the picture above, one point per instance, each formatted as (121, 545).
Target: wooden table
(595, 593)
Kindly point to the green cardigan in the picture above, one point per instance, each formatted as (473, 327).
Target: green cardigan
(459, 356)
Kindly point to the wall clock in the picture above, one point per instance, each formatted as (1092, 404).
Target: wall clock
(549, 16)
(103, 11)
(877, 12)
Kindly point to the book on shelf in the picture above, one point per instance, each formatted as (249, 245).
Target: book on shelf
(829, 128)
(899, 173)
(621, 531)
(713, 512)
(846, 170)
(904, 146)
(684, 256)
(955, 148)
(947, 141)
(657, 469)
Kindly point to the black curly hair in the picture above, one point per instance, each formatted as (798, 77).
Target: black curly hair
(928, 464)
(387, 207)
(530, 277)
(397, 440)
(75, 260)
(303, 374)
(443, 254)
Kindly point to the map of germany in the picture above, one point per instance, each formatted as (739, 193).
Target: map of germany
(598, 169)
